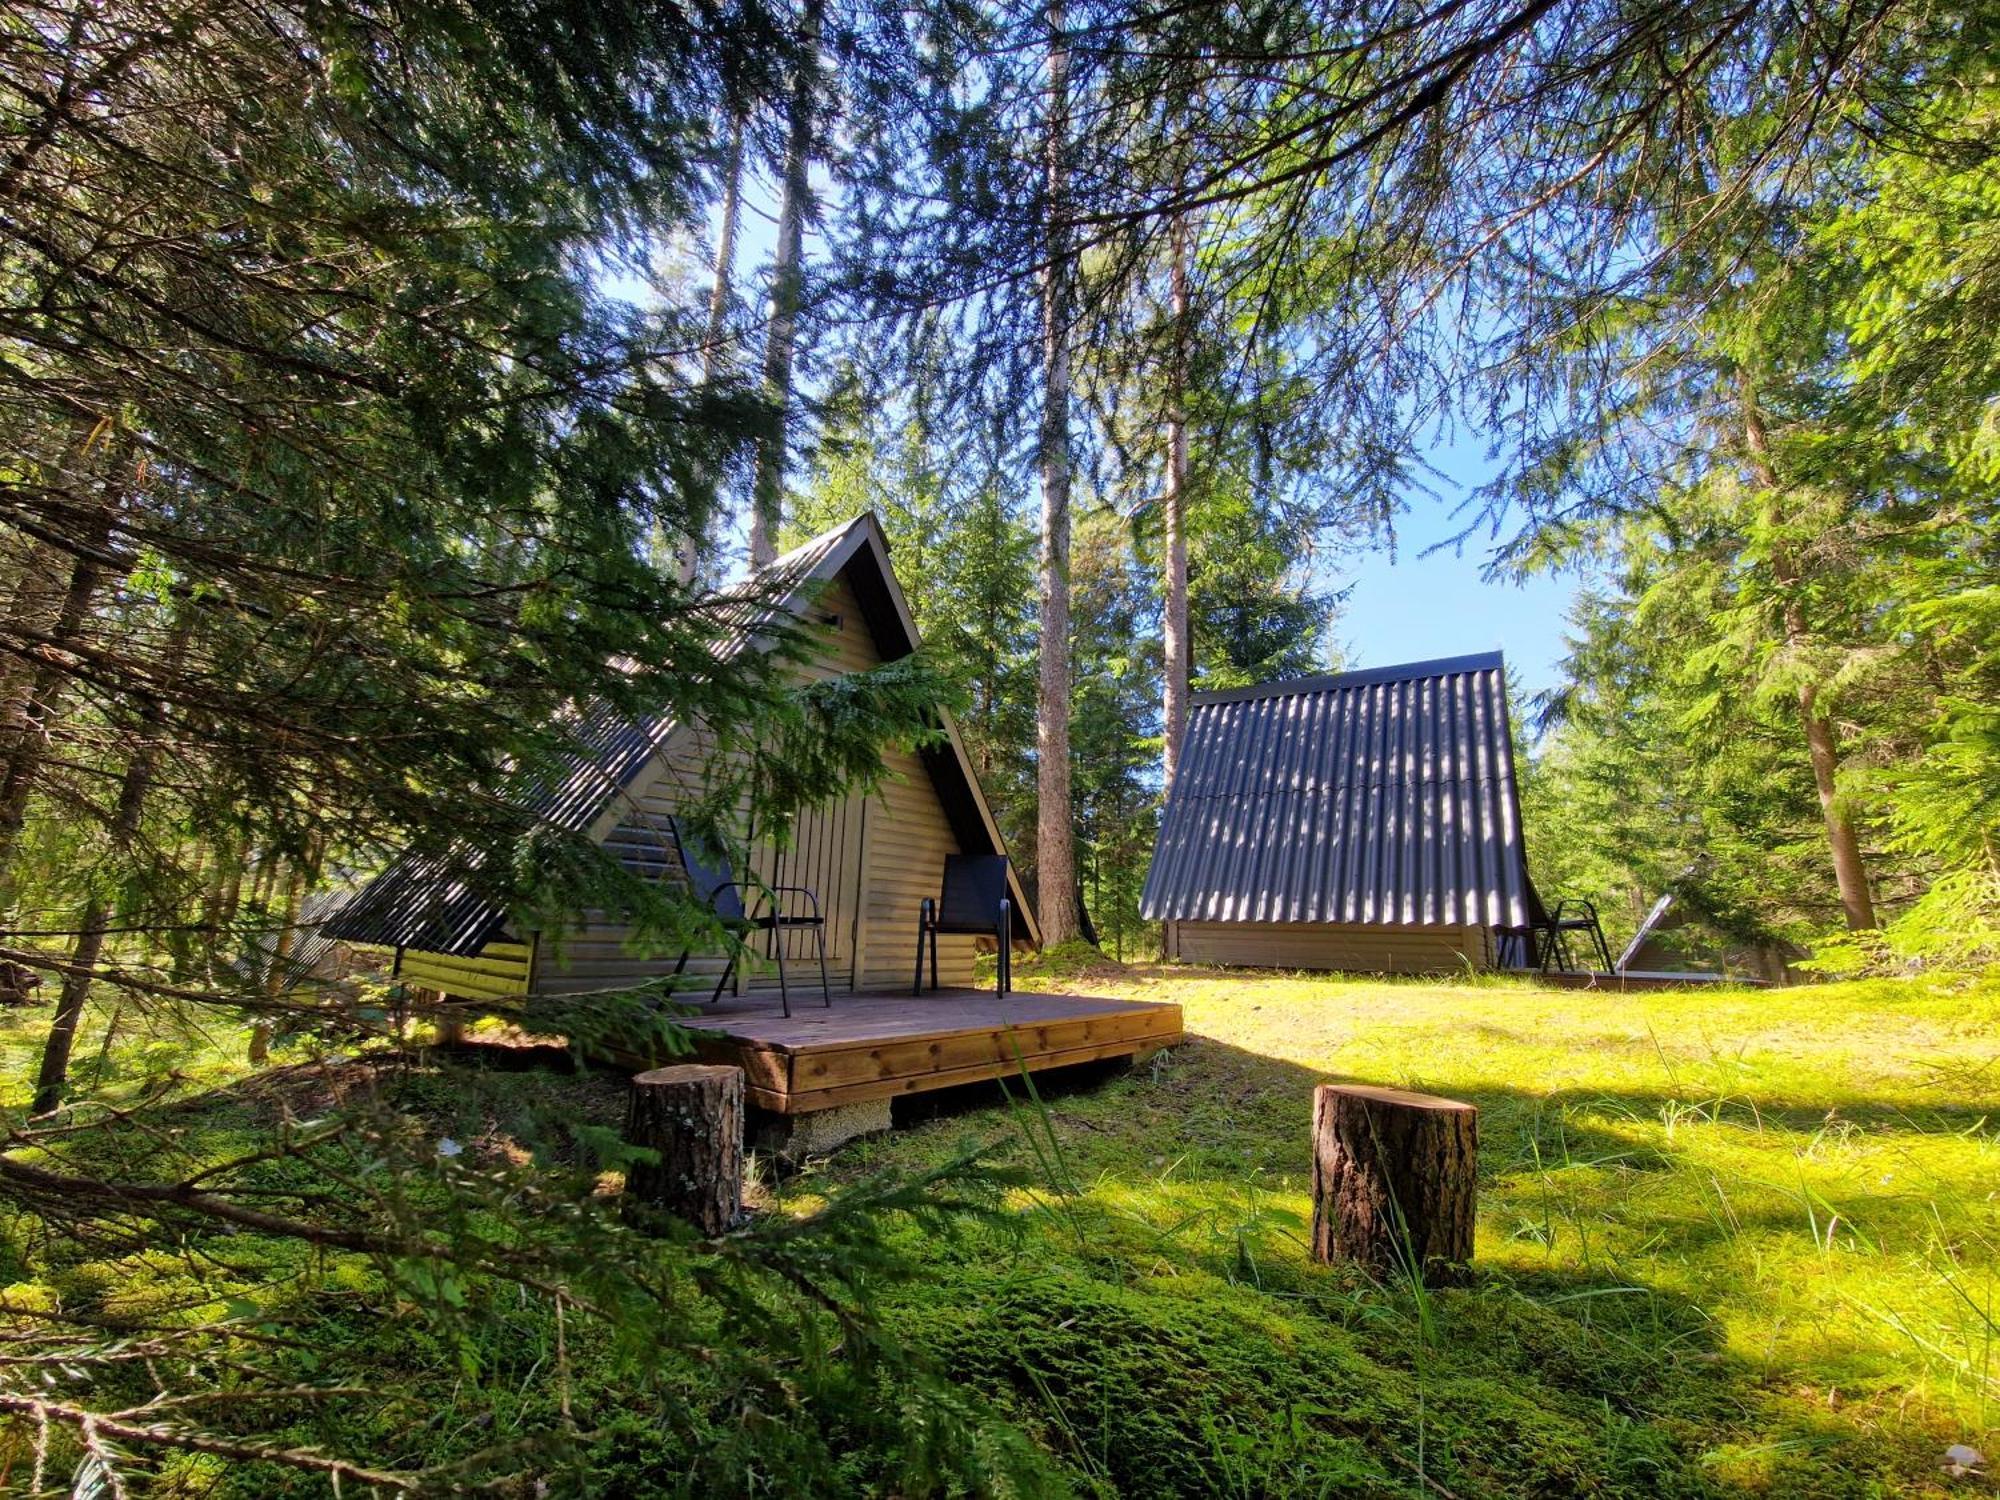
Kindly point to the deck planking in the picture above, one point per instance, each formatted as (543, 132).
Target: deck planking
(1632, 980)
(877, 1046)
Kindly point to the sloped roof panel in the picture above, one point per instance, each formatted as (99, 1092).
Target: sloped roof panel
(433, 902)
(1383, 796)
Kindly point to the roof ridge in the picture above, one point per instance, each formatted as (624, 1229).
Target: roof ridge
(1442, 666)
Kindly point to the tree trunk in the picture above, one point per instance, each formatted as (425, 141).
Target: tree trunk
(1850, 872)
(725, 253)
(1394, 1179)
(282, 943)
(1174, 627)
(692, 1116)
(1055, 837)
(52, 1078)
(693, 546)
(767, 482)
(232, 898)
(24, 732)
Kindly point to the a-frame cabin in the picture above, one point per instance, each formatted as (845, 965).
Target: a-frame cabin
(872, 860)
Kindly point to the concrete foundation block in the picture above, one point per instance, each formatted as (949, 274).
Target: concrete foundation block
(818, 1131)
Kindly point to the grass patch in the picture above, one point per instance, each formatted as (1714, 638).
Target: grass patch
(1730, 1242)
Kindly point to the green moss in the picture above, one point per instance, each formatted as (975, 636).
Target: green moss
(1729, 1242)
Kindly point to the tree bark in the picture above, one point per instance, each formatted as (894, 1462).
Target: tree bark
(1055, 835)
(719, 289)
(282, 943)
(1174, 641)
(767, 482)
(1394, 1179)
(692, 1116)
(52, 1078)
(1850, 871)
(24, 732)
(725, 252)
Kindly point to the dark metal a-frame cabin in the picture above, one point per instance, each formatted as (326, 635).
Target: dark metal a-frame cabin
(871, 860)
(1367, 821)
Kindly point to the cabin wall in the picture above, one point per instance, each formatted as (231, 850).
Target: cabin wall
(869, 860)
(907, 839)
(499, 971)
(1361, 948)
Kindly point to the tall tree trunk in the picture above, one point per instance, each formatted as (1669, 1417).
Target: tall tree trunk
(282, 943)
(52, 1079)
(1174, 626)
(718, 312)
(1850, 873)
(28, 562)
(725, 252)
(232, 897)
(24, 729)
(767, 483)
(1055, 836)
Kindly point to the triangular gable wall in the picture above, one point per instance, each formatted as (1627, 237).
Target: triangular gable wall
(872, 860)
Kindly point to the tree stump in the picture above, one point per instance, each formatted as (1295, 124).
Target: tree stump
(693, 1117)
(1393, 1179)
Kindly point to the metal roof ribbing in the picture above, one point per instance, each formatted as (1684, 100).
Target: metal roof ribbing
(433, 902)
(1381, 796)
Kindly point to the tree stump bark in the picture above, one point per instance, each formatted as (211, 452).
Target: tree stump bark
(693, 1117)
(1394, 1176)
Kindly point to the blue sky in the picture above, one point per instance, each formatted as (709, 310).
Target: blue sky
(1423, 604)
(1419, 603)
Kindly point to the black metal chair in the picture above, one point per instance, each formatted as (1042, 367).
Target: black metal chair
(1574, 914)
(709, 877)
(974, 899)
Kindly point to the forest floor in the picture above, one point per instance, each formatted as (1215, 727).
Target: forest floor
(1730, 1242)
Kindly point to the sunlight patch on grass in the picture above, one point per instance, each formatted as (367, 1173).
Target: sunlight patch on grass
(1784, 1206)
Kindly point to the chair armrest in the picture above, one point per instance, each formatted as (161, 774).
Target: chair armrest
(799, 890)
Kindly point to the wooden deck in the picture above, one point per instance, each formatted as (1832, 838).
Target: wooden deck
(1632, 980)
(883, 1045)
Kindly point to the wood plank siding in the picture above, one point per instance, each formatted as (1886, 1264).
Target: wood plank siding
(1367, 948)
(870, 861)
(500, 971)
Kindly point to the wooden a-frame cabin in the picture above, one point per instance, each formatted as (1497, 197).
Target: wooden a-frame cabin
(872, 859)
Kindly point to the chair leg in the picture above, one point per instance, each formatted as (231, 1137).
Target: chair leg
(1005, 979)
(934, 937)
(825, 989)
(923, 924)
(728, 970)
(784, 990)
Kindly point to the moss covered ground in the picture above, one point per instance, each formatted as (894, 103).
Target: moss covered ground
(1730, 1243)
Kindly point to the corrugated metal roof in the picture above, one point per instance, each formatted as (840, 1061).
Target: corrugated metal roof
(435, 902)
(1382, 796)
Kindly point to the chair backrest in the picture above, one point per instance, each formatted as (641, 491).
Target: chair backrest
(974, 887)
(708, 874)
